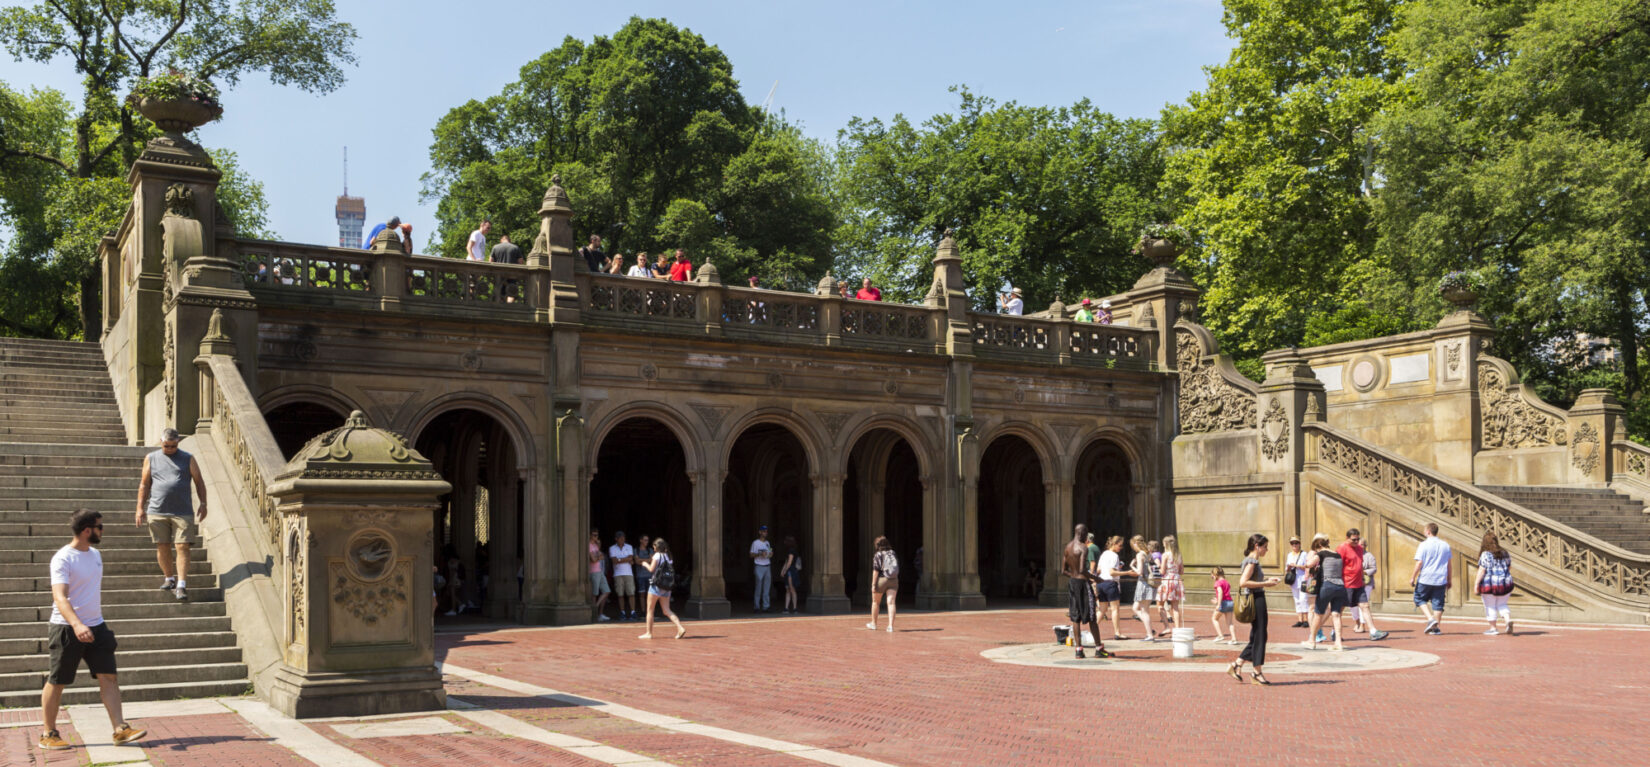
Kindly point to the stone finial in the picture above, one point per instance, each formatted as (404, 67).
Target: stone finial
(827, 286)
(358, 450)
(1057, 309)
(555, 198)
(1314, 413)
(386, 240)
(707, 274)
(947, 250)
(1147, 318)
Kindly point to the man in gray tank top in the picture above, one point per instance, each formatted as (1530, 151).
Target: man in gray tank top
(163, 506)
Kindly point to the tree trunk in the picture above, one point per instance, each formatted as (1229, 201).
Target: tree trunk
(1627, 330)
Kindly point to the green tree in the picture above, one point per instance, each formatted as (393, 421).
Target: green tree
(651, 136)
(1271, 166)
(1052, 199)
(1519, 152)
(54, 152)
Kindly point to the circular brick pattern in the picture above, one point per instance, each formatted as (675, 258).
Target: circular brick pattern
(1135, 655)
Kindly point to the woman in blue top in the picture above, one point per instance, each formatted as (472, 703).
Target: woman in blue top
(1495, 582)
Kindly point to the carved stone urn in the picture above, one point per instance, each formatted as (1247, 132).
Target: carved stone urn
(176, 115)
(356, 576)
(1161, 252)
(1462, 297)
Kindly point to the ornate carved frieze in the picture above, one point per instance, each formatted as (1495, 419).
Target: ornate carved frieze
(368, 602)
(833, 422)
(1584, 449)
(1509, 421)
(1274, 431)
(1208, 402)
(297, 556)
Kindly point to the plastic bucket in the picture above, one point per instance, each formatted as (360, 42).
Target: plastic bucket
(1061, 633)
(1182, 640)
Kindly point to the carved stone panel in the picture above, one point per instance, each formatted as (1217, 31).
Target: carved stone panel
(1584, 450)
(1274, 431)
(361, 612)
(1208, 402)
(1509, 421)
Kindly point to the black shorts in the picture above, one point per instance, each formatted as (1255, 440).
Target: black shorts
(67, 652)
(1109, 592)
(1331, 598)
(1357, 596)
(1082, 602)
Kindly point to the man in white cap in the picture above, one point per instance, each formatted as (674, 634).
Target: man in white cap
(1104, 315)
(1011, 303)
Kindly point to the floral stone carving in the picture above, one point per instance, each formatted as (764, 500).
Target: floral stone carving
(1208, 402)
(369, 602)
(1274, 431)
(1509, 421)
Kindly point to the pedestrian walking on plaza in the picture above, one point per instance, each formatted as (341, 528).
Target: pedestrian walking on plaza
(599, 590)
(1145, 590)
(1079, 583)
(1254, 583)
(623, 555)
(1330, 574)
(1495, 582)
(762, 555)
(662, 575)
(1011, 303)
(506, 252)
(454, 569)
(644, 554)
(1357, 565)
(165, 506)
(1223, 608)
(1110, 593)
(1295, 574)
(76, 632)
(1172, 590)
(884, 581)
(594, 259)
(477, 247)
(1431, 578)
(641, 269)
(791, 574)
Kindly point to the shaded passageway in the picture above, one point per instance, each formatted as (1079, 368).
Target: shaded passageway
(1011, 519)
(641, 487)
(479, 522)
(883, 495)
(295, 423)
(768, 483)
(1103, 492)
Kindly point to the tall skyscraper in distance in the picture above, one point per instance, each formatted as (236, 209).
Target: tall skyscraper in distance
(351, 213)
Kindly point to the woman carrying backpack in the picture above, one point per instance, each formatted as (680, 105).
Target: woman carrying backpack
(884, 580)
(662, 578)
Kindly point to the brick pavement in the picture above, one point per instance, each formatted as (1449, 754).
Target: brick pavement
(213, 740)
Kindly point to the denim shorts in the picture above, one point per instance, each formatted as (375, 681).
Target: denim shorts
(1109, 592)
(1430, 593)
(1331, 598)
(1225, 606)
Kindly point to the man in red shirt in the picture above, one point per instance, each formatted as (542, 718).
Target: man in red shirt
(1352, 570)
(681, 270)
(868, 292)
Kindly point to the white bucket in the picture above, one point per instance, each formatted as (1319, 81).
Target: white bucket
(1183, 639)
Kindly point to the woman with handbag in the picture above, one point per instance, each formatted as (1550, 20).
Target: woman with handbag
(1295, 576)
(662, 578)
(1251, 609)
(1494, 582)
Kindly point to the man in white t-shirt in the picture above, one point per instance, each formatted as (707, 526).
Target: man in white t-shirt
(477, 248)
(762, 555)
(623, 555)
(1108, 591)
(76, 632)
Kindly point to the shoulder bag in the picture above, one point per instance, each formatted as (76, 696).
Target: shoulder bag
(1245, 612)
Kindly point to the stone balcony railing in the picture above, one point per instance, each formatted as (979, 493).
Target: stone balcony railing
(366, 280)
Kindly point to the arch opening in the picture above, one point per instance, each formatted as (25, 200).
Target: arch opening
(1011, 518)
(768, 483)
(641, 488)
(478, 543)
(294, 424)
(1103, 491)
(882, 495)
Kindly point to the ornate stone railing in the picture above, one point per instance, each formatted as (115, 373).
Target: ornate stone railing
(471, 282)
(243, 439)
(1609, 571)
(772, 310)
(1512, 416)
(1632, 464)
(282, 264)
(1112, 346)
(1019, 337)
(641, 299)
(1213, 396)
(875, 323)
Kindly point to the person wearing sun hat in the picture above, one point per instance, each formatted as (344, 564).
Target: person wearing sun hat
(1011, 303)
(1084, 312)
(1103, 316)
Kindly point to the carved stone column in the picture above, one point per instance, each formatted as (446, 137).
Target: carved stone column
(355, 505)
(825, 585)
(708, 597)
(1058, 496)
(502, 596)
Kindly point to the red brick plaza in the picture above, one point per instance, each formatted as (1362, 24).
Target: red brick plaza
(784, 691)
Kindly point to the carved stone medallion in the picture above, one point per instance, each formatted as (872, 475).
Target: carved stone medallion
(1584, 449)
(1274, 431)
(370, 554)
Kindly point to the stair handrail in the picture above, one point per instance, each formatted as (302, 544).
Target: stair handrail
(1613, 572)
(1631, 462)
(242, 436)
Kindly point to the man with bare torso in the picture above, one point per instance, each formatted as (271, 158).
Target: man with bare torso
(1074, 566)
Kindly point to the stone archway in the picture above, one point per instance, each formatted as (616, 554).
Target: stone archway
(295, 422)
(1012, 524)
(769, 482)
(479, 523)
(641, 487)
(1103, 491)
(883, 495)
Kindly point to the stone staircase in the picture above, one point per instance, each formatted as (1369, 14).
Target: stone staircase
(62, 448)
(1601, 512)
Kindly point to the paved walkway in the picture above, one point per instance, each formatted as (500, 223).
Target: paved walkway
(947, 689)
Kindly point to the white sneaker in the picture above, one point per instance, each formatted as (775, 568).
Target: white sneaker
(450, 613)
(871, 626)
(602, 618)
(1491, 632)
(169, 584)
(890, 629)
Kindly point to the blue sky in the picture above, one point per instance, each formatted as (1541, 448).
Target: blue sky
(832, 60)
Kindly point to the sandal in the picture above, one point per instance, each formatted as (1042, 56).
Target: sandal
(1255, 677)
(1232, 671)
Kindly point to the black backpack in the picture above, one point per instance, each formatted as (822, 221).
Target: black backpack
(664, 578)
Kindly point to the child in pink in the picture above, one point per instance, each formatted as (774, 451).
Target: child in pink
(1223, 608)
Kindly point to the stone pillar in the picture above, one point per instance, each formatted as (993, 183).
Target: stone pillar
(825, 586)
(1594, 423)
(1059, 496)
(1460, 338)
(1290, 395)
(708, 597)
(358, 637)
(502, 596)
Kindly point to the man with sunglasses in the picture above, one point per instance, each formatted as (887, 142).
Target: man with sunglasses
(1352, 569)
(76, 632)
(165, 506)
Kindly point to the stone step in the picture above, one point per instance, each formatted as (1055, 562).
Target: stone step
(43, 557)
(75, 451)
(49, 392)
(56, 540)
(198, 592)
(135, 581)
(144, 566)
(105, 505)
(71, 362)
(177, 625)
(53, 480)
(116, 530)
(127, 659)
(67, 468)
(192, 674)
(57, 521)
(35, 643)
(75, 696)
(89, 347)
(90, 377)
(74, 494)
(117, 613)
(24, 434)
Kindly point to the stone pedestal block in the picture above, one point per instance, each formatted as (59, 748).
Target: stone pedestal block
(357, 576)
